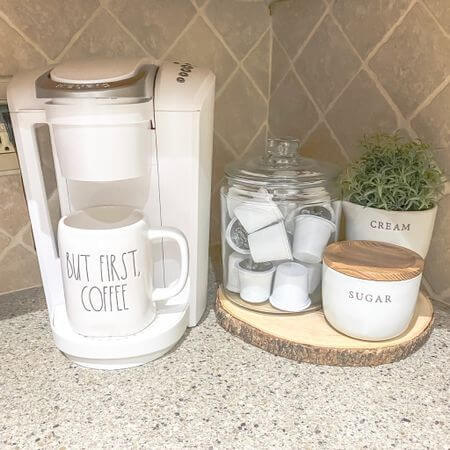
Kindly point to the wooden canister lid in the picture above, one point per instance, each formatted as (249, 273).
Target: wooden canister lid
(371, 260)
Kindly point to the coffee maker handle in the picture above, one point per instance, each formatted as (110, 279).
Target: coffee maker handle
(159, 294)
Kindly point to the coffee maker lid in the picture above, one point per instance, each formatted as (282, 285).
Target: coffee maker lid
(98, 79)
(96, 70)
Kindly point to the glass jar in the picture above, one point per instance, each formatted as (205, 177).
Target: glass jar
(279, 212)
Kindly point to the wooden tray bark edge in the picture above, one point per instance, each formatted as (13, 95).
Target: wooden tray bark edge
(317, 355)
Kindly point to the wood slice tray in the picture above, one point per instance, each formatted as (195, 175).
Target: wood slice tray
(309, 338)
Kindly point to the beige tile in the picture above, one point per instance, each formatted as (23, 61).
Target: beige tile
(4, 241)
(104, 37)
(322, 146)
(201, 47)
(432, 124)
(222, 155)
(18, 270)
(366, 21)
(414, 61)
(257, 64)
(360, 110)
(291, 112)
(258, 146)
(155, 23)
(280, 64)
(293, 21)
(13, 209)
(240, 24)
(50, 23)
(437, 264)
(327, 63)
(442, 158)
(15, 53)
(441, 11)
(27, 237)
(240, 112)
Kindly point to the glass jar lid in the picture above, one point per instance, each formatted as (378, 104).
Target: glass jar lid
(284, 172)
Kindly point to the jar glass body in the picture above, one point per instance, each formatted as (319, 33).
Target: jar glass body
(277, 209)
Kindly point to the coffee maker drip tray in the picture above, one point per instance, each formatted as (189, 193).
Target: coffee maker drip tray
(111, 353)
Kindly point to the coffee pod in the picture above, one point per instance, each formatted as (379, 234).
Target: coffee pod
(290, 290)
(255, 280)
(236, 237)
(314, 275)
(311, 236)
(270, 244)
(256, 215)
(232, 283)
(325, 211)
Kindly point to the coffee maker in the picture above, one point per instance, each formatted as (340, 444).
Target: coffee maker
(123, 132)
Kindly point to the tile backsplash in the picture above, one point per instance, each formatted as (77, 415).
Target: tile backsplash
(344, 68)
(324, 71)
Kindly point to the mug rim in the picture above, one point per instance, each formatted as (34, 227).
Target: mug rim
(139, 217)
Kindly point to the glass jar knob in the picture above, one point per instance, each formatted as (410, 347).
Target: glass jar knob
(282, 150)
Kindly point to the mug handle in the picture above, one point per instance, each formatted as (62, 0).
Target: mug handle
(159, 294)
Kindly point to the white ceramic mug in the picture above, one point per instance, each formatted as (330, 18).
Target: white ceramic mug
(107, 269)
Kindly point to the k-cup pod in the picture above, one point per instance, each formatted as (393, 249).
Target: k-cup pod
(311, 236)
(233, 284)
(314, 275)
(290, 289)
(325, 211)
(270, 244)
(256, 215)
(237, 237)
(237, 196)
(255, 280)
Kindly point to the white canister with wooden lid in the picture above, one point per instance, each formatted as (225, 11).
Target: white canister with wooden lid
(370, 289)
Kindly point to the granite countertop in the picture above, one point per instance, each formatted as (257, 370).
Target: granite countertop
(214, 391)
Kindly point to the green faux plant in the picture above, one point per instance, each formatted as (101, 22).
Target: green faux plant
(395, 174)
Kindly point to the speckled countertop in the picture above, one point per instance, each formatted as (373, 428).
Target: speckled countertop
(214, 391)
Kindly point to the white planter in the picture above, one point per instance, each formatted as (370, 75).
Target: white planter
(410, 229)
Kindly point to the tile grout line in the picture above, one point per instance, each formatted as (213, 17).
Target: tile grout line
(253, 139)
(227, 144)
(442, 297)
(128, 32)
(236, 59)
(302, 46)
(312, 33)
(29, 41)
(260, 39)
(275, 38)
(435, 19)
(15, 241)
(400, 118)
(430, 98)
(77, 34)
(165, 55)
(321, 114)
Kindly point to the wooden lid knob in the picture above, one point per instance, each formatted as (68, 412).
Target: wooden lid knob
(371, 260)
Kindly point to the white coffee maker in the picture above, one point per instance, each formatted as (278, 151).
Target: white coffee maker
(123, 132)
